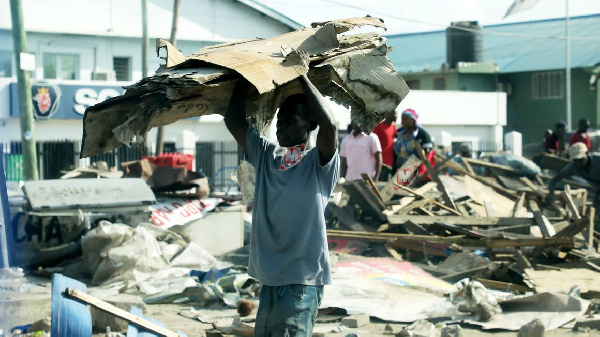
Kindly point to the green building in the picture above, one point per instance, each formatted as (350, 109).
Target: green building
(527, 60)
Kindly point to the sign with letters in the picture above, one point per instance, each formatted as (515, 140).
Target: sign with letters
(177, 212)
(63, 101)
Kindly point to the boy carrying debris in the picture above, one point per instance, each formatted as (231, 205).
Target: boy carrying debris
(288, 245)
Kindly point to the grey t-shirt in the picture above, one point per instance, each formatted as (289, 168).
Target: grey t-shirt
(288, 244)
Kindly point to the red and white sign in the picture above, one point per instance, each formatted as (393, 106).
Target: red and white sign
(177, 212)
(405, 176)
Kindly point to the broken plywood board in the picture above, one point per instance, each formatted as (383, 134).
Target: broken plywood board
(353, 70)
(496, 205)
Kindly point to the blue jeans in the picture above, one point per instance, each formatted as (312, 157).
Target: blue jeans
(288, 310)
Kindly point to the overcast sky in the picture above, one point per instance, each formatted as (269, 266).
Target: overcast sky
(408, 16)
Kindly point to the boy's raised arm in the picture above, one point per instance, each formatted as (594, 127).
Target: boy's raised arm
(235, 118)
(319, 107)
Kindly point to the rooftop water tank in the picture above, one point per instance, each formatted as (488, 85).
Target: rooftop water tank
(464, 43)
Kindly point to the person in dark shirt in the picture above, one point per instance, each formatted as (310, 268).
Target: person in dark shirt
(581, 135)
(583, 164)
(404, 146)
(552, 143)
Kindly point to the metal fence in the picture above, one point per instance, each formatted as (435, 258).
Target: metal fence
(217, 160)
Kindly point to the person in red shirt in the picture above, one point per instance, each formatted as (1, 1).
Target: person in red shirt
(581, 135)
(386, 132)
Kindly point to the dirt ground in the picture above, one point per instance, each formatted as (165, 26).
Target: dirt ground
(169, 314)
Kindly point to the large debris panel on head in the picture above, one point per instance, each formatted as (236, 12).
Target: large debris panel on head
(351, 69)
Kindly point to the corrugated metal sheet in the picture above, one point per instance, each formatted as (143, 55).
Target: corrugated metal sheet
(517, 47)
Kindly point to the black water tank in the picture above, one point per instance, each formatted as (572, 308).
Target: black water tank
(464, 43)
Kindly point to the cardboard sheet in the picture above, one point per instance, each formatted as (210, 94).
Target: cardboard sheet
(352, 69)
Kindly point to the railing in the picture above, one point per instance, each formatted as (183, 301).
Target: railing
(217, 160)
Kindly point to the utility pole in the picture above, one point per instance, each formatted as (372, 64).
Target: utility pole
(160, 132)
(30, 169)
(144, 38)
(568, 68)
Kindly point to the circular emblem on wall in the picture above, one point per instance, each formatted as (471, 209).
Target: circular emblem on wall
(46, 99)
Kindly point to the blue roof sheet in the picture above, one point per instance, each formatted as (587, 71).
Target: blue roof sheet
(515, 47)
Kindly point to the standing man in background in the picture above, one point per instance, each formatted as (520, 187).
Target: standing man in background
(361, 153)
(386, 132)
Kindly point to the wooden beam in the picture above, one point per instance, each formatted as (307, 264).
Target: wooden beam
(397, 256)
(492, 165)
(413, 205)
(120, 313)
(504, 286)
(518, 204)
(534, 242)
(545, 227)
(422, 247)
(589, 231)
(371, 184)
(541, 195)
(434, 176)
(389, 237)
(566, 194)
(396, 220)
(439, 204)
(574, 228)
(467, 166)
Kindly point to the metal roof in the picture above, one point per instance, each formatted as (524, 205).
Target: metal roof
(270, 12)
(515, 47)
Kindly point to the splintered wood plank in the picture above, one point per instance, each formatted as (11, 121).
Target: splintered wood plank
(419, 194)
(362, 195)
(372, 186)
(544, 226)
(589, 231)
(518, 204)
(504, 286)
(534, 242)
(574, 228)
(413, 205)
(394, 253)
(541, 195)
(434, 176)
(566, 194)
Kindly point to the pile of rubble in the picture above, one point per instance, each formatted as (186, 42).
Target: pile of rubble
(484, 226)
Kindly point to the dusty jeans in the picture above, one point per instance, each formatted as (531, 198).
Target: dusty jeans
(288, 310)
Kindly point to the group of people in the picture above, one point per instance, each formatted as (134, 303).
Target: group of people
(387, 148)
(289, 253)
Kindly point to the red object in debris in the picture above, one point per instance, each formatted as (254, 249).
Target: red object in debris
(172, 159)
